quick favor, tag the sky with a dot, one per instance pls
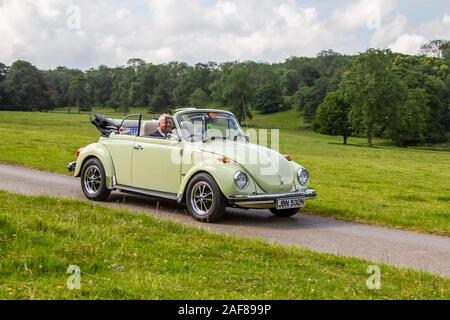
(88, 33)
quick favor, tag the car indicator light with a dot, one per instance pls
(78, 152)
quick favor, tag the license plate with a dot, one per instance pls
(290, 203)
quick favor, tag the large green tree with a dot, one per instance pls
(424, 76)
(409, 122)
(332, 117)
(160, 100)
(268, 99)
(3, 72)
(78, 93)
(238, 93)
(26, 87)
(199, 99)
(373, 91)
(59, 82)
(100, 81)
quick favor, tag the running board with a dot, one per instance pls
(151, 193)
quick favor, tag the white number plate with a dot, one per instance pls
(290, 203)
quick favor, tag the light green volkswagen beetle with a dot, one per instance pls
(205, 161)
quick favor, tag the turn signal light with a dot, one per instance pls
(225, 160)
(78, 152)
(288, 157)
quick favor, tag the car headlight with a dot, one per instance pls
(303, 177)
(241, 180)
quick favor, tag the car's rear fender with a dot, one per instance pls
(99, 151)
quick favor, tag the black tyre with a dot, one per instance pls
(204, 200)
(93, 181)
(284, 213)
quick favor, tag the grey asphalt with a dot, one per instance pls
(380, 245)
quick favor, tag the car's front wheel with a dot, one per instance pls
(284, 213)
(93, 181)
(204, 200)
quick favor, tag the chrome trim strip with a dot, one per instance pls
(273, 196)
(249, 203)
(152, 193)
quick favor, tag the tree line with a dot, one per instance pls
(374, 94)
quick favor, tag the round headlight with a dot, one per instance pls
(303, 177)
(241, 180)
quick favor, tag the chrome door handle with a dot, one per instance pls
(138, 147)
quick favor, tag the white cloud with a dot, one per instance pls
(389, 32)
(363, 13)
(196, 30)
(408, 43)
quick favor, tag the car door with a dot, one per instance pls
(120, 148)
(156, 164)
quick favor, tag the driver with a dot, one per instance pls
(164, 127)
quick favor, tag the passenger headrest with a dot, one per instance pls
(148, 128)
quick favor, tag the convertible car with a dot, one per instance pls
(205, 161)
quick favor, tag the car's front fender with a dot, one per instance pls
(223, 174)
(96, 150)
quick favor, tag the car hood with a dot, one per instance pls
(270, 170)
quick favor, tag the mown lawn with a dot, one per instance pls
(127, 256)
(396, 187)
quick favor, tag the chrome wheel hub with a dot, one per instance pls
(202, 198)
(92, 180)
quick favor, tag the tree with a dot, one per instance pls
(373, 91)
(101, 82)
(332, 117)
(78, 93)
(160, 100)
(59, 81)
(309, 98)
(268, 100)
(135, 64)
(26, 87)
(316, 78)
(122, 88)
(409, 123)
(199, 98)
(238, 93)
(436, 48)
(3, 72)
(422, 75)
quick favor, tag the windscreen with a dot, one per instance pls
(197, 126)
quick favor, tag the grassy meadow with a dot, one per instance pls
(405, 188)
(123, 255)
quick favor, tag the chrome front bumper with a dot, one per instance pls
(71, 166)
(268, 200)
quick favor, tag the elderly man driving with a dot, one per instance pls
(164, 127)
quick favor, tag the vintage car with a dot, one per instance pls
(205, 161)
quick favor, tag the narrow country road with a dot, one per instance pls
(380, 245)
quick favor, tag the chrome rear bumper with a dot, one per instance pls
(268, 200)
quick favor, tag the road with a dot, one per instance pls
(381, 245)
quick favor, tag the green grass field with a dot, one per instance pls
(386, 185)
(128, 256)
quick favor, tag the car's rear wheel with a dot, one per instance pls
(204, 200)
(93, 181)
(284, 213)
